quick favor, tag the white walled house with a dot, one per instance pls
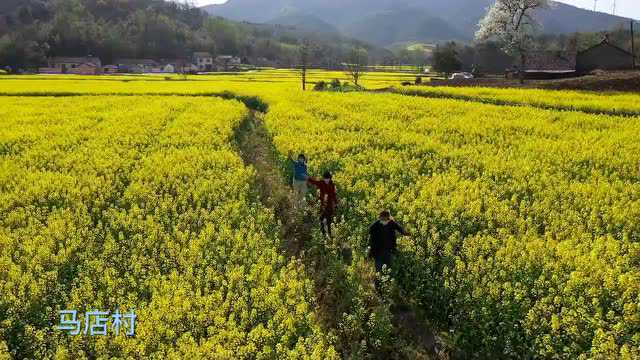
(204, 61)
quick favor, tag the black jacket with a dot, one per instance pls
(383, 238)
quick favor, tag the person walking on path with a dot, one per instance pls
(300, 176)
(383, 240)
(328, 201)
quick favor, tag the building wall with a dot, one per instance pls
(50, 70)
(605, 58)
(204, 63)
(85, 70)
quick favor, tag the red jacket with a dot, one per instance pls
(328, 196)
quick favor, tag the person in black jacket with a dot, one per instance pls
(383, 239)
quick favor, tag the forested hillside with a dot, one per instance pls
(32, 30)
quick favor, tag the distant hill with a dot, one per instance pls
(305, 22)
(33, 30)
(385, 22)
(405, 25)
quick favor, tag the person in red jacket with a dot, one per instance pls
(328, 201)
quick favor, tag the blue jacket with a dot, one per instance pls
(300, 171)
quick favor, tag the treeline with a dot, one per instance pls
(32, 30)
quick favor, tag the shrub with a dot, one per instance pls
(320, 86)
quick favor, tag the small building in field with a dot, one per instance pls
(173, 66)
(66, 65)
(169, 69)
(110, 69)
(543, 65)
(263, 62)
(136, 66)
(204, 61)
(227, 62)
(49, 70)
(604, 56)
(86, 69)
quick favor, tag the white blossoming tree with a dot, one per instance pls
(511, 23)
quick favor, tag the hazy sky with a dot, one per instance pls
(628, 8)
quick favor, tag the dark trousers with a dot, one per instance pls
(325, 224)
(381, 260)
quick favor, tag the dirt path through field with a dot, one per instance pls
(257, 150)
(297, 231)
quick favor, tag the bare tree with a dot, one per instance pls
(305, 54)
(511, 23)
(358, 61)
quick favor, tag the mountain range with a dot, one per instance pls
(389, 22)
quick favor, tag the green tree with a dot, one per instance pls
(446, 59)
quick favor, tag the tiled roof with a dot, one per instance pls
(606, 43)
(75, 60)
(550, 61)
(149, 62)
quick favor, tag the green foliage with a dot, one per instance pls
(320, 86)
(445, 58)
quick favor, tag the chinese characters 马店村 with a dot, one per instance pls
(97, 323)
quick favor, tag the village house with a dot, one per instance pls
(547, 65)
(604, 56)
(204, 61)
(86, 69)
(73, 65)
(263, 62)
(227, 62)
(180, 66)
(169, 69)
(110, 69)
(136, 66)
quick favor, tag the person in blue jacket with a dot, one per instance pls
(300, 177)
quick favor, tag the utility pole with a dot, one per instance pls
(305, 53)
(614, 7)
(595, 5)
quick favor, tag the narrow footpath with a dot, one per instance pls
(298, 228)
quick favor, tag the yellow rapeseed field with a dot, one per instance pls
(128, 192)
